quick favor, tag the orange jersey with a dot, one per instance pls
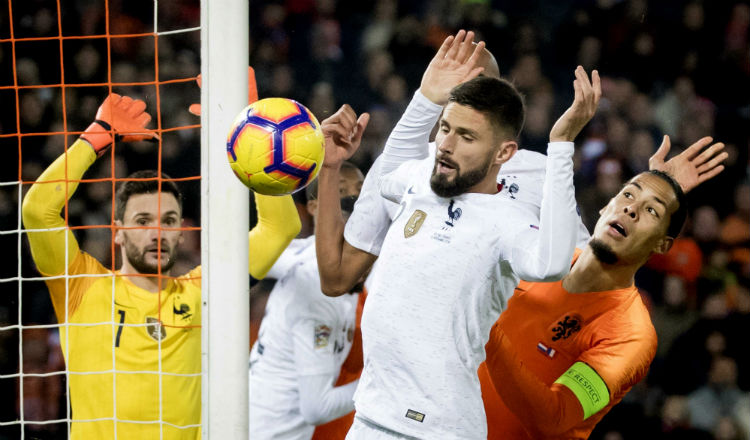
(550, 329)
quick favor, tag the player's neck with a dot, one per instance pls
(488, 185)
(150, 282)
(589, 274)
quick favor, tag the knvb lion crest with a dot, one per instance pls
(155, 329)
(415, 222)
(566, 326)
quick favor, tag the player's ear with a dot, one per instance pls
(118, 233)
(182, 234)
(663, 245)
(312, 207)
(505, 152)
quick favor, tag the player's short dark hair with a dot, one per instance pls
(497, 98)
(677, 219)
(145, 182)
(311, 191)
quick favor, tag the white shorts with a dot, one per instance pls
(363, 429)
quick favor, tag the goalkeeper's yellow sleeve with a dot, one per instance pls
(43, 204)
(278, 224)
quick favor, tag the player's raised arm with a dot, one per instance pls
(118, 117)
(278, 224)
(553, 240)
(693, 166)
(340, 264)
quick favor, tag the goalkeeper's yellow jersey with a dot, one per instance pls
(113, 326)
(110, 337)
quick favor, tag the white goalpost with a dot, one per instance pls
(224, 206)
(224, 223)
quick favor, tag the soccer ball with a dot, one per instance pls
(275, 146)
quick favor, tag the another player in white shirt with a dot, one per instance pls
(450, 261)
(304, 338)
(521, 178)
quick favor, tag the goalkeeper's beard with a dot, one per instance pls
(137, 258)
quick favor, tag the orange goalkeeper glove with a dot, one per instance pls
(252, 91)
(119, 118)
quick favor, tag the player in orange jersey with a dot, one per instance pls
(564, 353)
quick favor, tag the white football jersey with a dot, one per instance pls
(446, 270)
(303, 333)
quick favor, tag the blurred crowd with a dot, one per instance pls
(680, 68)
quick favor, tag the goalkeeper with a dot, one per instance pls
(137, 321)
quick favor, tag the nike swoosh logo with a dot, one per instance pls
(410, 190)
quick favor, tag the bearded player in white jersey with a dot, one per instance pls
(455, 251)
(304, 338)
(521, 179)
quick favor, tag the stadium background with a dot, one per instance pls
(679, 68)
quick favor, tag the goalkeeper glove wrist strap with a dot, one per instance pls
(104, 124)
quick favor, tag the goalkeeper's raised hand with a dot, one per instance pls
(252, 91)
(119, 118)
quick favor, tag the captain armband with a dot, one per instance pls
(588, 386)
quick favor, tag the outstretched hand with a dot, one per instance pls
(693, 166)
(343, 133)
(122, 117)
(587, 95)
(454, 63)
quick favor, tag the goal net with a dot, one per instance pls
(66, 370)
